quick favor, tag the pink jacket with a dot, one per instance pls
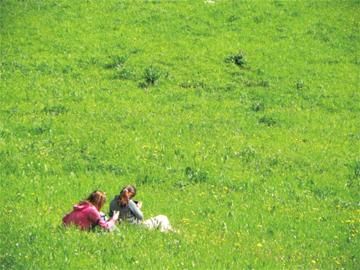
(86, 216)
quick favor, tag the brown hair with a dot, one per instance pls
(128, 188)
(97, 198)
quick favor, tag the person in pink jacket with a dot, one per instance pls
(86, 215)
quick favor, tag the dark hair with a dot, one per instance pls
(129, 188)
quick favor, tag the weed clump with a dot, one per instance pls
(124, 74)
(193, 85)
(196, 175)
(300, 85)
(55, 110)
(147, 179)
(39, 129)
(152, 76)
(181, 185)
(238, 59)
(254, 83)
(116, 62)
(257, 106)
(247, 154)
(354, 177)
(268, 121)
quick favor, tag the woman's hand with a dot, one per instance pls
(116, 215)
(139, 204)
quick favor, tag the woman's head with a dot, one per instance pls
(97, 198)
(128, 192)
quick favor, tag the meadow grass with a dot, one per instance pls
(239, 120)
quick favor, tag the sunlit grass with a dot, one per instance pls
(236, 119)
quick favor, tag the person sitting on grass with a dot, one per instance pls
(86, 215)
(130, 211)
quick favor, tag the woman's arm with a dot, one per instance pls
(96, 219)
(135, 210)
(107, 225)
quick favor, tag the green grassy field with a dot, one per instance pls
(239, 120)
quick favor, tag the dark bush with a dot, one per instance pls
(238, 59)
(268, 121)
(152, 75)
